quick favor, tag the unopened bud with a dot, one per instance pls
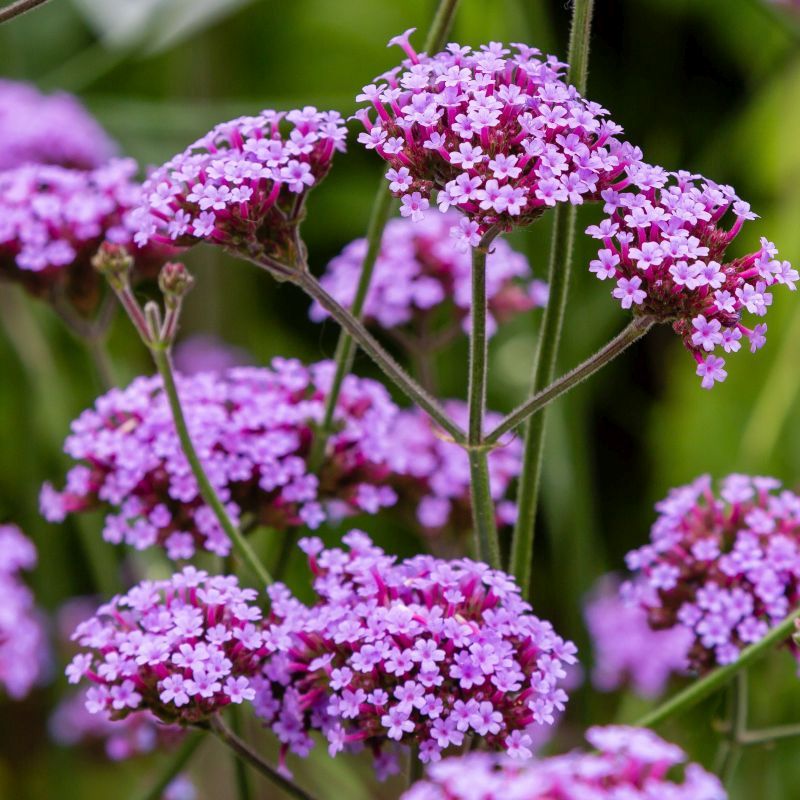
(114, 262)
(175, 281)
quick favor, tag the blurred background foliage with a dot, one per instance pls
(705, 85)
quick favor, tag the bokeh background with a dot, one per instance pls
(711, 86)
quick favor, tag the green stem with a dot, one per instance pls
(173, 767)
(768, 735)
(731, 747)
(559, 268)
(367, 342)
(244, 752)
(19, 8)
(483, 512)
(163, 361)
(441, 25)
(239, 767)
(415, 768)
(103, 365)
(634, 331)
(721, 676)
(287, 547)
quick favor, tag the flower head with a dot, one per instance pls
(725, 566)
(181, 648)
(629, 763)
(495, 133)
(252, 428)
(243, 185)
(48, 129)
(23, 642)
(419, 270)
(422, 651)
(664, 245)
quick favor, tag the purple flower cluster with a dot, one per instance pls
(495, 132)
(664, 246)
(23, 644)
(181, 648)
(424, 652)
(243, 184)
(48, 129)
(725, 568)
(252, 428)
(432, 474)
(630, 764)
(627, 649)
(419, 269)
(53, 219)
(207, 353)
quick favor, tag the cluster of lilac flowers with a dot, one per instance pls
(207, 353)
(53, 219)
(726, 568)
(48, 129)
(431, 474)
(424, 652)
(181, 648)
(23, 643)
(495, 133)
(629, 763)
(626, 649)
(419, 269)
(243, 184)
(253, 429)
(664, 246)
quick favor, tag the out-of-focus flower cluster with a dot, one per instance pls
(23, 642)
(630, 763)
(665, 245)
(53, 219)
(626, 649)
(243, 184)
(431, 473)
(495, 133)
(422, 651)
(725, 567)
(207, 353)
(419, 269)
(181, 648)
(252, 428)
(48, 129)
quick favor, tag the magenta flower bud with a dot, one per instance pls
(243, 185)
(633, 763)
(664, 247)
(495, 133)
(419, 652)
(114, 262)
(723, 566)
(175, 282)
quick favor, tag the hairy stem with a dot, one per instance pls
(244, 752)
(559, 268)
(367, 342)
(163, 361)
(19, 8)
(174, 766)
(720, 677)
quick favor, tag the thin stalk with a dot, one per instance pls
(559, 269)
(634, 331)
(163, 361)
(367, 342)
(19, 8)
(730, 751)
(379, 216)
(483, 512)
(244, 752)
(768, 735)
(415, 769)
(720, 677)
(103, 365)
(287, 547)
(174, 766)
(239, 767)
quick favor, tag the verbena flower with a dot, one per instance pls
(181, 648)
(422, 651)
(203, 352)
(724, 566)
(432, 473)
(419, 270)
(252, 428)
(53, 220)
(495, 133)
(629, 764)
(243, 185)
(664, 245)
(23, 642)
(48, 129)
(626, 649)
